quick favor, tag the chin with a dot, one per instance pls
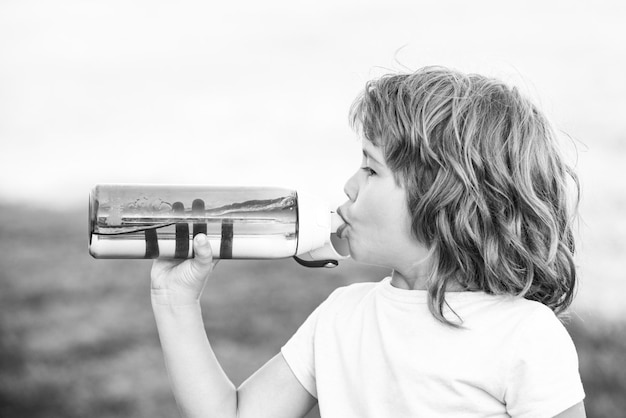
(367, 257)
(354, 252)
(360, 255)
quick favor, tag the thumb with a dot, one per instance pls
(202, 264)
(183, 283)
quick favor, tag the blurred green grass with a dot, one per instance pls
(77, 336)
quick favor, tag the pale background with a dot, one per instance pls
(255, 93)
(258, 93)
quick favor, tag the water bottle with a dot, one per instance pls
(160, 221)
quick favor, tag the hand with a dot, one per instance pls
(181, 283)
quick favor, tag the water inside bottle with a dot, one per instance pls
(239, 223)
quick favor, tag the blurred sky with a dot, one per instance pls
(258, 93)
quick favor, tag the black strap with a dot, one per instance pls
(316, 263)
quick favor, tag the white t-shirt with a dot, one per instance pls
(373, 350)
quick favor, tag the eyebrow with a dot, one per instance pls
(369, 157)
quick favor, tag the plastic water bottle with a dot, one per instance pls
(160, 221)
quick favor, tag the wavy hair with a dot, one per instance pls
(488, 189)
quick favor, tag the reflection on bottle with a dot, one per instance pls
(144, 221)
(161, 221)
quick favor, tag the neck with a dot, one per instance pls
(416, 277)
(408, 282)
(413, 275)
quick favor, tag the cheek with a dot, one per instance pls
(378, 212)
(393, 221)
(368, 214)
(376, 223)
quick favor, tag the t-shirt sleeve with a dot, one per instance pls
(543, 380)
(299, 351)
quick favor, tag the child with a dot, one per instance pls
(463, 194)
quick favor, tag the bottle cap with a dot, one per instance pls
(317, 225)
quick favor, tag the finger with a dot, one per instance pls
(202, 249)
(202, 263)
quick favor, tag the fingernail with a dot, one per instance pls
(201, 239)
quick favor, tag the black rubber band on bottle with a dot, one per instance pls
(152, 243)
(182, 234)
(197, 210)
(226, 244)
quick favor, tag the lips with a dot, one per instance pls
(342, 227)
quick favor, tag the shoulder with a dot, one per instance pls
(355, 289)
(526, 330)
(543, 333)
(353, 293)
(543, 369)
(539, 331)
(500, 316)
(347, 300)
(537, 320)
(515, 313)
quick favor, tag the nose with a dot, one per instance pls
(351, 188)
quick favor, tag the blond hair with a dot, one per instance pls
(486, 183)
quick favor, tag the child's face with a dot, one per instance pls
(378, 223)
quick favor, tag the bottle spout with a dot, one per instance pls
(327, 248)
(335, 222)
